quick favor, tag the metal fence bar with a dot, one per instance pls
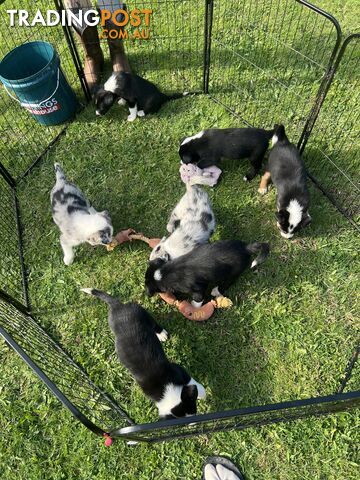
(209, 12)
(239, 419)
(67, 381)
(51, 385)
(327, 158)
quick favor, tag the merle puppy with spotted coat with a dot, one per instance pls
(191, 223)
(137, 343)
(208, 147)
(77, 220)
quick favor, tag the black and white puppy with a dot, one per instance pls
(207, 147)
(191, 223)
(214, 265)
(137, 344)
(286, 169)
(141, 96)
(77, 220)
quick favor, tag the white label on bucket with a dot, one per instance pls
(50, 106)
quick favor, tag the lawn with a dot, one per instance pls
(290, 333)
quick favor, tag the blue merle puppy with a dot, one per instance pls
(191, 224)
(77, 220)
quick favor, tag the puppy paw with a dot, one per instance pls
(262, 191)
(163, 335)
(223, 302)
(196, 304)
(245, 178)
(131, 118)
(141, 113)
(121, 101)
(68, 260)
(110, 246)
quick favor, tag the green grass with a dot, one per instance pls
(289, 335)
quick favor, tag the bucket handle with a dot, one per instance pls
(43, 101)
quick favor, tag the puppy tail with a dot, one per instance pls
(105, 297)
(174, 96)
(261, 249)
(60, 175)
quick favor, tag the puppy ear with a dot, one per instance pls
(281, 215)
(165, 256)
(109, 98)
(306, 220)
(95, 90)
(280, 132)
(189, 392)
(106, 214)
(186, 159)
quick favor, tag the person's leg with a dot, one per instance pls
(94, 59)
(116, 46)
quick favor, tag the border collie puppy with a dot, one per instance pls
(137, 344)
(286, 169)
(207, 147)
(191, 223)
(77, 220)
(214, 265)
(141, 96)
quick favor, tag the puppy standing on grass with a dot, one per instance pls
(208, 147)
(286, 169)
(137, 343)
(141, 96)
(77, 220)
(191, 224)
(215, 265)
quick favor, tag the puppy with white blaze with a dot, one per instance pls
(77, 220)
(286, 169)
(208, 147)
(191, 223)
(213, 266)
(141, 96)
(137, 344)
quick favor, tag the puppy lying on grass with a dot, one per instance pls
(215, 265)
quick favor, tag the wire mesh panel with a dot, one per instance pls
(332, 153)
(166, 47)
(59, 371)
(22, 139)
(239, 419)
(11, 266)
(270, 53)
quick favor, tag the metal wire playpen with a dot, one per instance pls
(244, 56)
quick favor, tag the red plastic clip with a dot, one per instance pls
(108, 440)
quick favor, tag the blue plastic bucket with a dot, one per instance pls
(32, 72)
